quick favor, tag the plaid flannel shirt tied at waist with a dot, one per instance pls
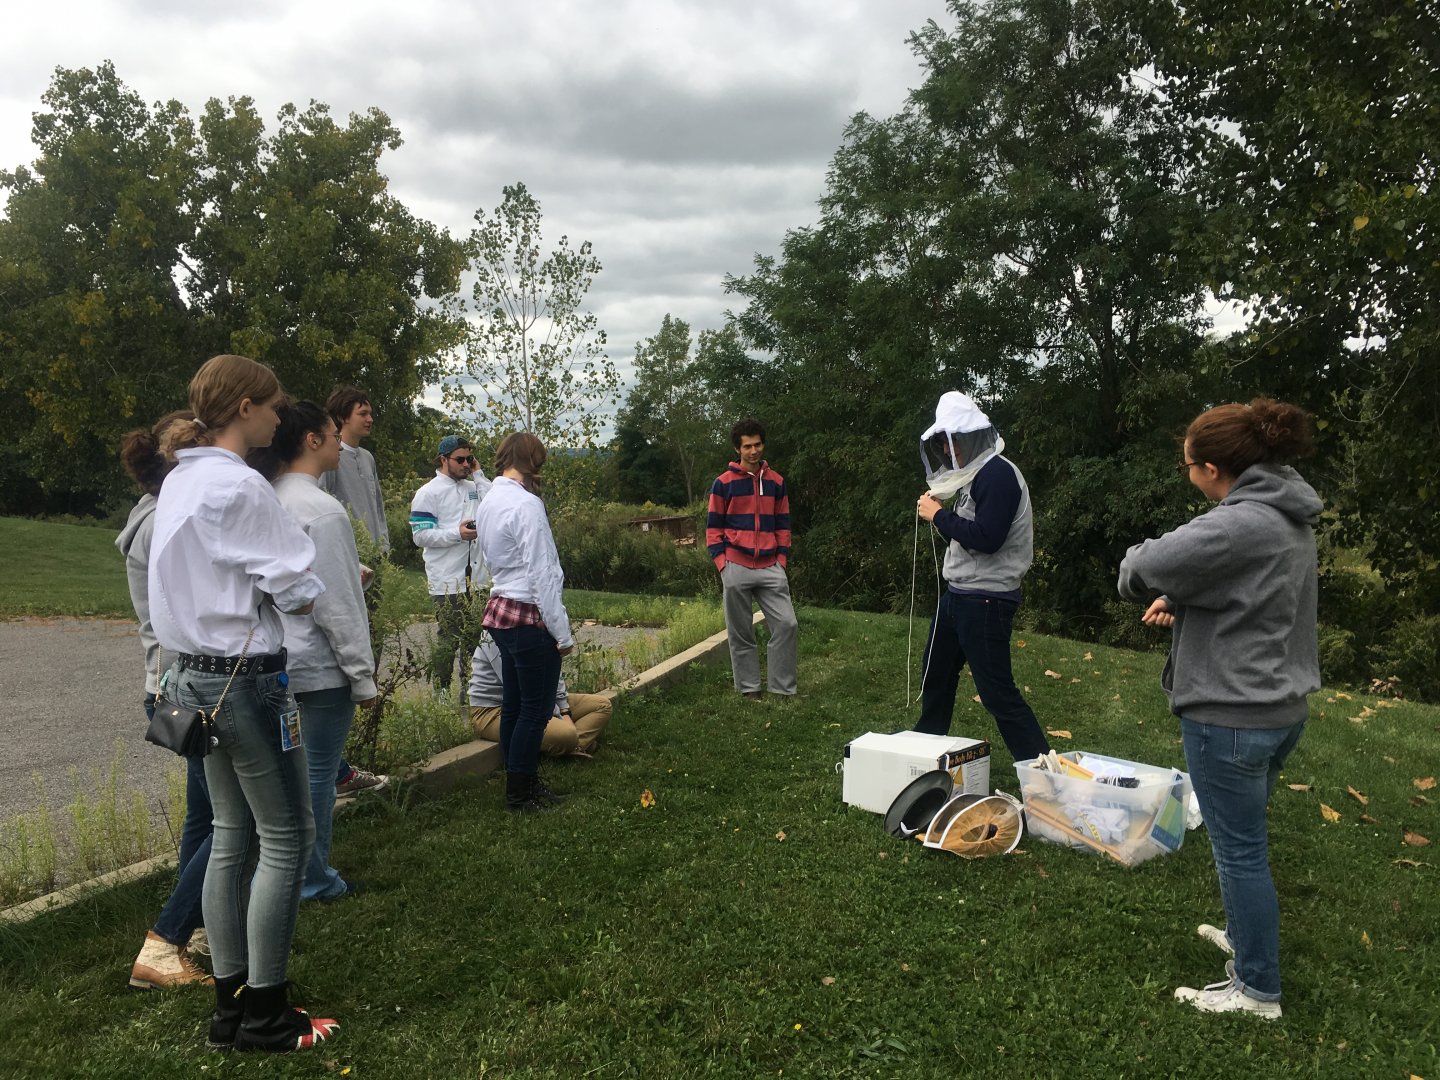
(503, 613)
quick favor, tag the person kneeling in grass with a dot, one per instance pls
(574, 729)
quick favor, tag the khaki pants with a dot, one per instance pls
(589, 714)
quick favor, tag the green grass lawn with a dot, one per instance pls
(751, 925)
(53, 569)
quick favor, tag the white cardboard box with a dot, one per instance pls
(878, 767)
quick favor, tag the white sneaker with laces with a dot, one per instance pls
(1217, 937)
(1224, 997)
(362, 780)
(199, 943)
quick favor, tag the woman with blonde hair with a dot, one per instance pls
(525, 615)
(1238, 588)
(225, 560)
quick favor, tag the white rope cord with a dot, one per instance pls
(910, 635)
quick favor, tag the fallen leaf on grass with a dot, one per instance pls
(1419, 800)
(976, 699)
(1041, 869)
(647, 798)
(1088, 656)
(1020, 643)
(828, 980)
(1411, 863)
(904, 967)
(1424, 783)
(1329, 813)
(1053, 674)
(780, 835)
(1298, 787)
(1059, 733)
(1363, 800)
(1365, 939)
(1075, 680)
(1342, 695)
(1414, 839)
(1390, 759)
(1368, 820)
(1385, 703)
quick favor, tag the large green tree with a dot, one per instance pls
(1008, 233)
(95, 332)
(1312, 131)
(140, 243)
(671, 433)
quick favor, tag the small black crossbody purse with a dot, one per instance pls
(187, 731)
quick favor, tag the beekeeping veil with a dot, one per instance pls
(957, 445)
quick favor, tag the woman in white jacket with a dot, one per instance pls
(525, 615)
(330, 661)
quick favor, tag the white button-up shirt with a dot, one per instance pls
(520, 551)
(222, 542)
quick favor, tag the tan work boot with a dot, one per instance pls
(161, 965)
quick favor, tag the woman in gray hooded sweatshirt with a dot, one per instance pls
(164, 959)
(1237, 585)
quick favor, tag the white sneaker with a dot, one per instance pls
(1224, 997)
(199, 943)
(1217, 937)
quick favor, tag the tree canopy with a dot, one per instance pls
(140, 242)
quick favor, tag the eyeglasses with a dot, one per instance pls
(466, 460)
(1185, 466)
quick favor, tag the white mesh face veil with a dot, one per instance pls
(951, 459)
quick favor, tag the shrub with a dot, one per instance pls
(1408, 652)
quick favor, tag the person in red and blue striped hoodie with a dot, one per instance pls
(748, 535)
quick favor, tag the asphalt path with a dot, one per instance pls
(75, 690)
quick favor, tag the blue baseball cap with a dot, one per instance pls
(450, 443)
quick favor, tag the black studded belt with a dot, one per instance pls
(262, 664)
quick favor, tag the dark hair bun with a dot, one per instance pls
(1282, 427)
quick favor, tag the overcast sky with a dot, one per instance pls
(680, 138)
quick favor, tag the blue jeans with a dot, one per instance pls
(976, 630)
(1234, 771)
(182, 914)
(263, 824)
(326, 715)
(530, 675)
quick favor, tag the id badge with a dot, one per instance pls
(290, 730)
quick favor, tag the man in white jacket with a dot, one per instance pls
(442, 522)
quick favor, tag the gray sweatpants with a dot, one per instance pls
(769, 588)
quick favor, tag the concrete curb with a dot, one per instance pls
(441, 774)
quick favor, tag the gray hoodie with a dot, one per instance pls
(1241, 582)
(134, 544)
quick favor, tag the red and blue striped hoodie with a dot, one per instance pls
(749, 519)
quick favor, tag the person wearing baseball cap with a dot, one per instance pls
(989, 529)
(442, 522)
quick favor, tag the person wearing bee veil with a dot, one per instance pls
(978, 501)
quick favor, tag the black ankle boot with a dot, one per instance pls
(271, 1024)
(520, 797)
(541, 793)
(229, 1008)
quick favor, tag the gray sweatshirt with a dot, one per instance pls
(356, 483)
(1241, 581)
(331, 646)
(134, 544)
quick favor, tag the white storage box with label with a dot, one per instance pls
(1127, 810)
(877, 767)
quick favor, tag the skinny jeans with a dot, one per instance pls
(264, 827)
(326, 716)
(182, 914)
(1233, 772)
(529, 675)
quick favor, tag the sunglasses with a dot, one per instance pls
(466, 460)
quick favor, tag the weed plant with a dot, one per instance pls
(748, 924)
(104, 826)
